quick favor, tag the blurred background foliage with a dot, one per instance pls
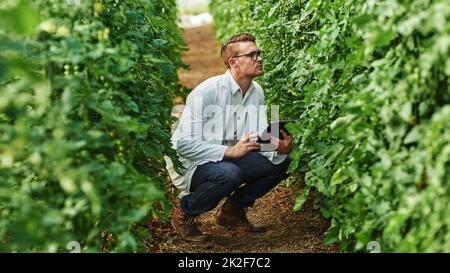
(86, 93)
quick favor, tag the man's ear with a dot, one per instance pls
(232, 62)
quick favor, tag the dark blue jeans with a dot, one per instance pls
(243, 180)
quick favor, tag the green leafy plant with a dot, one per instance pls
(369, 82)
(84, 120)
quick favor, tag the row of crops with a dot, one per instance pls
(85, 88)
(369, 82)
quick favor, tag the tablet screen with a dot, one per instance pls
(269, 132)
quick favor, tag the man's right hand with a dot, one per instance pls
(243, 147)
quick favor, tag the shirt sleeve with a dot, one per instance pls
(189, 141)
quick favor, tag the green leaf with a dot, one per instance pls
(302, 198)
(413, 136)
(339, 176)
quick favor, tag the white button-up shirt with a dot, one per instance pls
(216, 116)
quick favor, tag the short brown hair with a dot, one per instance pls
(228, 50)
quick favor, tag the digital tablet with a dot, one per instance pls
(267, 133)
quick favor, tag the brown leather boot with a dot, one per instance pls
(232, 215)
(186, 227)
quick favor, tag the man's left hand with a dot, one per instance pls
(285, 145)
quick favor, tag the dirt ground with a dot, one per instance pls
(288, 231)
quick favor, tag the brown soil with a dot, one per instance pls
(288, 231)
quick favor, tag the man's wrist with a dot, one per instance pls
(228, 153)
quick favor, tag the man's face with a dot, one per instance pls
(249, 64)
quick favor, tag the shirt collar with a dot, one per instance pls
(232, 84)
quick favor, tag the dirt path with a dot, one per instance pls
(288, 231)
(203, 56)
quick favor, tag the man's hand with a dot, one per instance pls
(243, 147)
(285, 145)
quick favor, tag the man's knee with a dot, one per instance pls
(229, 175)
(285, 164)
(283, 167)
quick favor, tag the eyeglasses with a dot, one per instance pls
(253, 55)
